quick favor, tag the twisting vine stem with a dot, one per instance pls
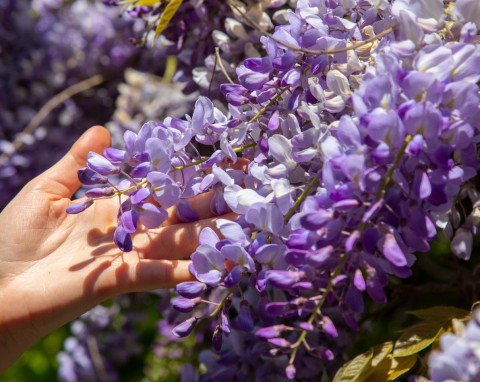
(344, 256)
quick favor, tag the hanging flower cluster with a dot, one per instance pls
(360, 124)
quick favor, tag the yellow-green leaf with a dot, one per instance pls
(401, 366)
(380, 352)
(440, 313)
(416, 338)
(381, 371)
(353, 370)
(167, 15)
(149, 3)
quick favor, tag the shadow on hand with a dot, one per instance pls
(152, 262)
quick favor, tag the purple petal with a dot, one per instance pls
(347, 132)
(266, 217)
(190, 289)
(392, 251)
(185, 213)
(316, 220)
(421, 185)
(232, 231)
(320, 256)
(79, 207)
(185, 305)
(290, 371)
(329, 327)
(114, 155)
(274, 121)
(208, 237)
(202, 113)
(283, 279)
(101, 165)
(207, 265)
(244, 320)
(279, 342)
(250, 79)
(233, 277)
(239, 256)
(359, 281)
(159, 156)
(258, 64)
(140, 195)
(225, 323)
(89, 177)
(217, 340)
(129, 220)
(141, 171)
(270, 331)
(354, 300)
(122, 239)
(165, 190)
(99, 192)
(151, 216)
(185, 328)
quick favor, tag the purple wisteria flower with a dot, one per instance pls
(360, 126)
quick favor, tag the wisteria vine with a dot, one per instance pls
(360, 125)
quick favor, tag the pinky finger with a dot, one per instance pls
(138, 275)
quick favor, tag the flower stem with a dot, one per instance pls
(222, 303)
(389, 175)
(344, 257)
(301, 198)
(270, 103)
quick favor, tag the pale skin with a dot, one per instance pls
(55, 266)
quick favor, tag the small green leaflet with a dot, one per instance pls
(388, 361)
(440, 313)
(377, 364)
(380, 352)
(167, 16)
(149, 3)
(352, 370)
(417, 337)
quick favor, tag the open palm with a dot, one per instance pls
(55, 266)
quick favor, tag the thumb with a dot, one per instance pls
(61, 179)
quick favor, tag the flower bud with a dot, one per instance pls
(79, 207)
(99, 192)
(185, 328)
(101, 165)
(270, 331)
(280, 342)
(89, 177)
(191, 289)
(185, 305)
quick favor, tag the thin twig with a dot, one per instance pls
(270, 103)
(213, 75)
(46, 109)
(96, 358)
(222, 67)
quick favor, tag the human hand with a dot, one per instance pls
(55, 266)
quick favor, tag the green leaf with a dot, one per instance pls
(149, 3)
(401, 366)
(167, 15)
(440, 313)
(353, 370)
(416, 338)
(380, 352)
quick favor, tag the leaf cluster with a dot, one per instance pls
(390, 360)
